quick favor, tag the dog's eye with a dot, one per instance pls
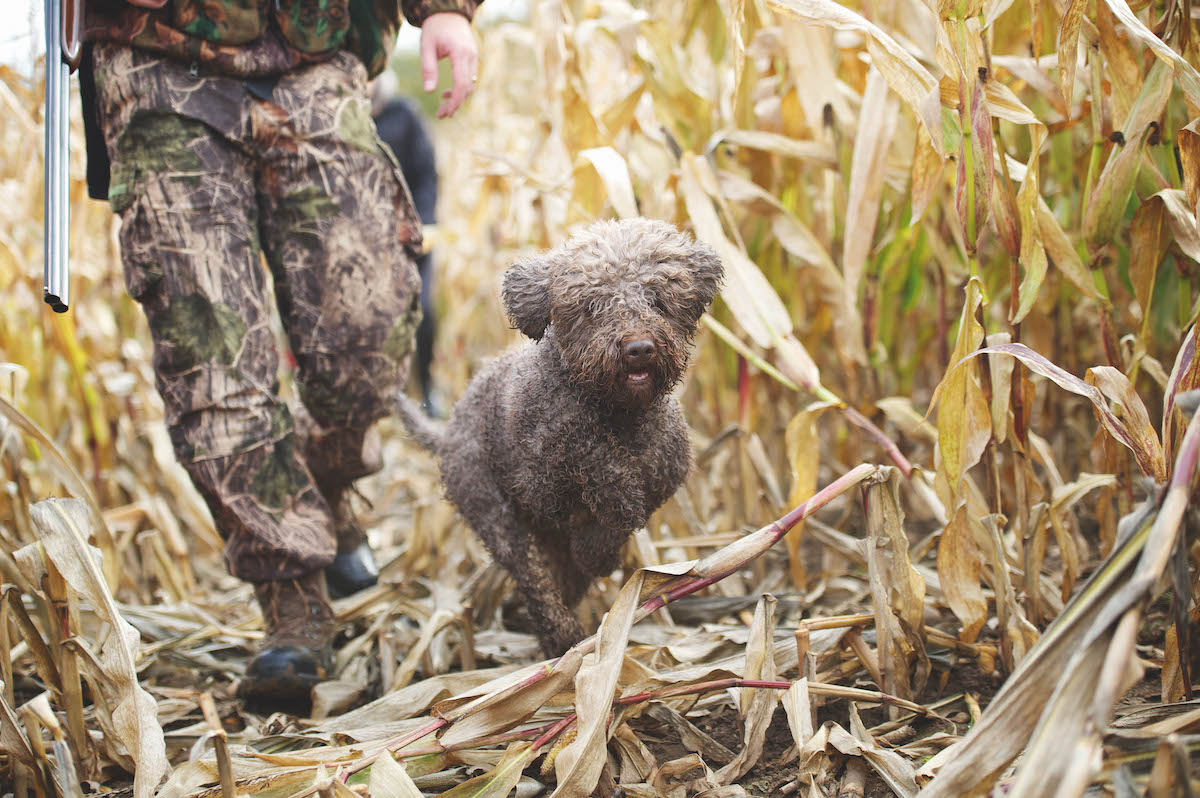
(659, 305)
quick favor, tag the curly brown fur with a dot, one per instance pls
(561, 448)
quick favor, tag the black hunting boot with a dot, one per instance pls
(297, 652)
(335, 460)
(354, 568)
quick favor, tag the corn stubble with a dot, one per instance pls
(953, 358)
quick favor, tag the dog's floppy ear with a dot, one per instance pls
(526, 295)
(707, 273)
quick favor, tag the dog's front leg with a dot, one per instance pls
(539, 579)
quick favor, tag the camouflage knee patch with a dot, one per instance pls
(401, 340)
(194, 331)
(280, 477)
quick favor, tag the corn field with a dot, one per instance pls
(939, 539)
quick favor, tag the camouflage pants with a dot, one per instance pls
(209, 176)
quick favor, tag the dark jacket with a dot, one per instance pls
(401, 127)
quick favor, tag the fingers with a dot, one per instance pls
(429, 70)
(448, 35)
(463, 64)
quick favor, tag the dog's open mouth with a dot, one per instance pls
(636, 379)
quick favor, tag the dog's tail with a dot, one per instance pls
(424, 430)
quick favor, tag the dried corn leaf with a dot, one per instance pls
(903, 73)
(578, 765)
(756, 705)
(500, 781)
(876, 126)
(389, 779)
(62, 524)
(964, 418)
(898, 590)
(1055, 665)
(1148, 454)
(1185, 73)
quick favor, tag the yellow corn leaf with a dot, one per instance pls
(992, 9)
(927, 175)
(1033, 243)
(12, 736)
(1123, 64)
(1150, 101)
(1181, 219)
(614, 174)
(1185, 376)
(1185, 73)
(873, 138)
(735, 14)
(804, 457)
(1068, 41)
(1005, 219)
(1149, 240)
(506, 701)
(766, 141)
(74, 482)
(500, 780)
(964, 419)
(749, 296)
(1127, 431)
(756, 705)
(1189, 156)
(1003, 104)
(903, 73)
(959, 567)
(1102, 217)
(898, 590)
(1062, 252)
(1127, 406)
(812, 66)
(1063, 692)
(973, 192)
(799, 709)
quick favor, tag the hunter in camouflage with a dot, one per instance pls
(239, 131)
(207, 178)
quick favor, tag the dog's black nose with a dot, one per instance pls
(638, 353)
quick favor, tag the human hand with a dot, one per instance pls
(448, 34)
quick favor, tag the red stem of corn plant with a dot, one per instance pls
(672, 590)
(495, 739)
(555, 730)
(686, 585)
(876, 434)
(702, 687)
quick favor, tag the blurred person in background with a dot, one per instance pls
(222, 131)
(402, 127)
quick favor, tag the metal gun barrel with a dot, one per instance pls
(55, 208)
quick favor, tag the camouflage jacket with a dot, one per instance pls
(258, 38)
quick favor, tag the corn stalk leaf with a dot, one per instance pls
(389, 779)
(1185, 73)
(1147, 453)
(903, 73)
(500, 780)
(964, 419)
(61, 525)
(1044, 692)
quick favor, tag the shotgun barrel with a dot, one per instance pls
(56, 289)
